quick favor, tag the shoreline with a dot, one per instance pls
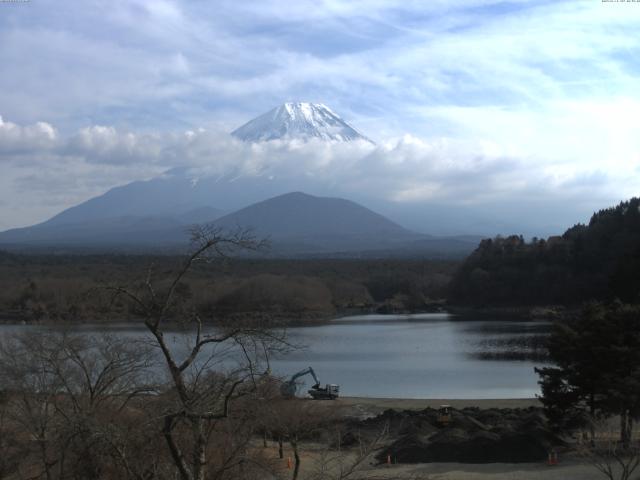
(422, 403)
(305, 319)
(367, 407)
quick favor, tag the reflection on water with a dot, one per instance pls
(526, 347)
(508, 340)
(410, 356)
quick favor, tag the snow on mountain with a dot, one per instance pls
(298, 120)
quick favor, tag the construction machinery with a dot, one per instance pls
(329, 392)
(444, 415)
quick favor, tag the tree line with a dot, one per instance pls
(61, 288)
(598, 261)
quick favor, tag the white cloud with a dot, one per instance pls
(564, 139)
(164, 64)
(105, 144)
(16, 138)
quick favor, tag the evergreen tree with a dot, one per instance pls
(597, 368)
(596, 261)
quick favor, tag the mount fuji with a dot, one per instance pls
(298, 120)
(156, 213)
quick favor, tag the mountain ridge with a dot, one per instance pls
(298, 225)
(299, 213)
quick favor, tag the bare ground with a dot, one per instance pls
(498, 471)
(568, 469)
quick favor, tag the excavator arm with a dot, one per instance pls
(288, 388)
(315, 377)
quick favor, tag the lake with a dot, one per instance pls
(407, 356)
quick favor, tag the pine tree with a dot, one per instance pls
(597, 369)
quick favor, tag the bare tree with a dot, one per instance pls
(607, 453)
(296, 421)
(220, 365)
(9, 451)
(63, 390)
(337, 464)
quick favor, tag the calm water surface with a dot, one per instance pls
(421, 356)
(408, 356)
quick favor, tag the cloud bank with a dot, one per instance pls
(482, 103)
(48, 169)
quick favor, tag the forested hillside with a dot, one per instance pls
(600, 261)
(72, 287)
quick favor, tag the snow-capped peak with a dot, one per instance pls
(299, 120)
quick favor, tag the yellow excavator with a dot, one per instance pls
(330, 391)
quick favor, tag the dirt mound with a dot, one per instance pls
(479, 447)
(398, 423)
(472, 436)
(407, 449)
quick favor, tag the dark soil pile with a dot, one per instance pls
(472, 436)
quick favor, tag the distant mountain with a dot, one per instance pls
(301, 222)
(298, 214)
(200, 215)
(174, 195)
(298, 121)
(177, 192)
(297, 224)
(116, 231)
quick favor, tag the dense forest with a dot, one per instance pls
(76, 287)
(599, 261)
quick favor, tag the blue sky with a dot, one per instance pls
(474, 102)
